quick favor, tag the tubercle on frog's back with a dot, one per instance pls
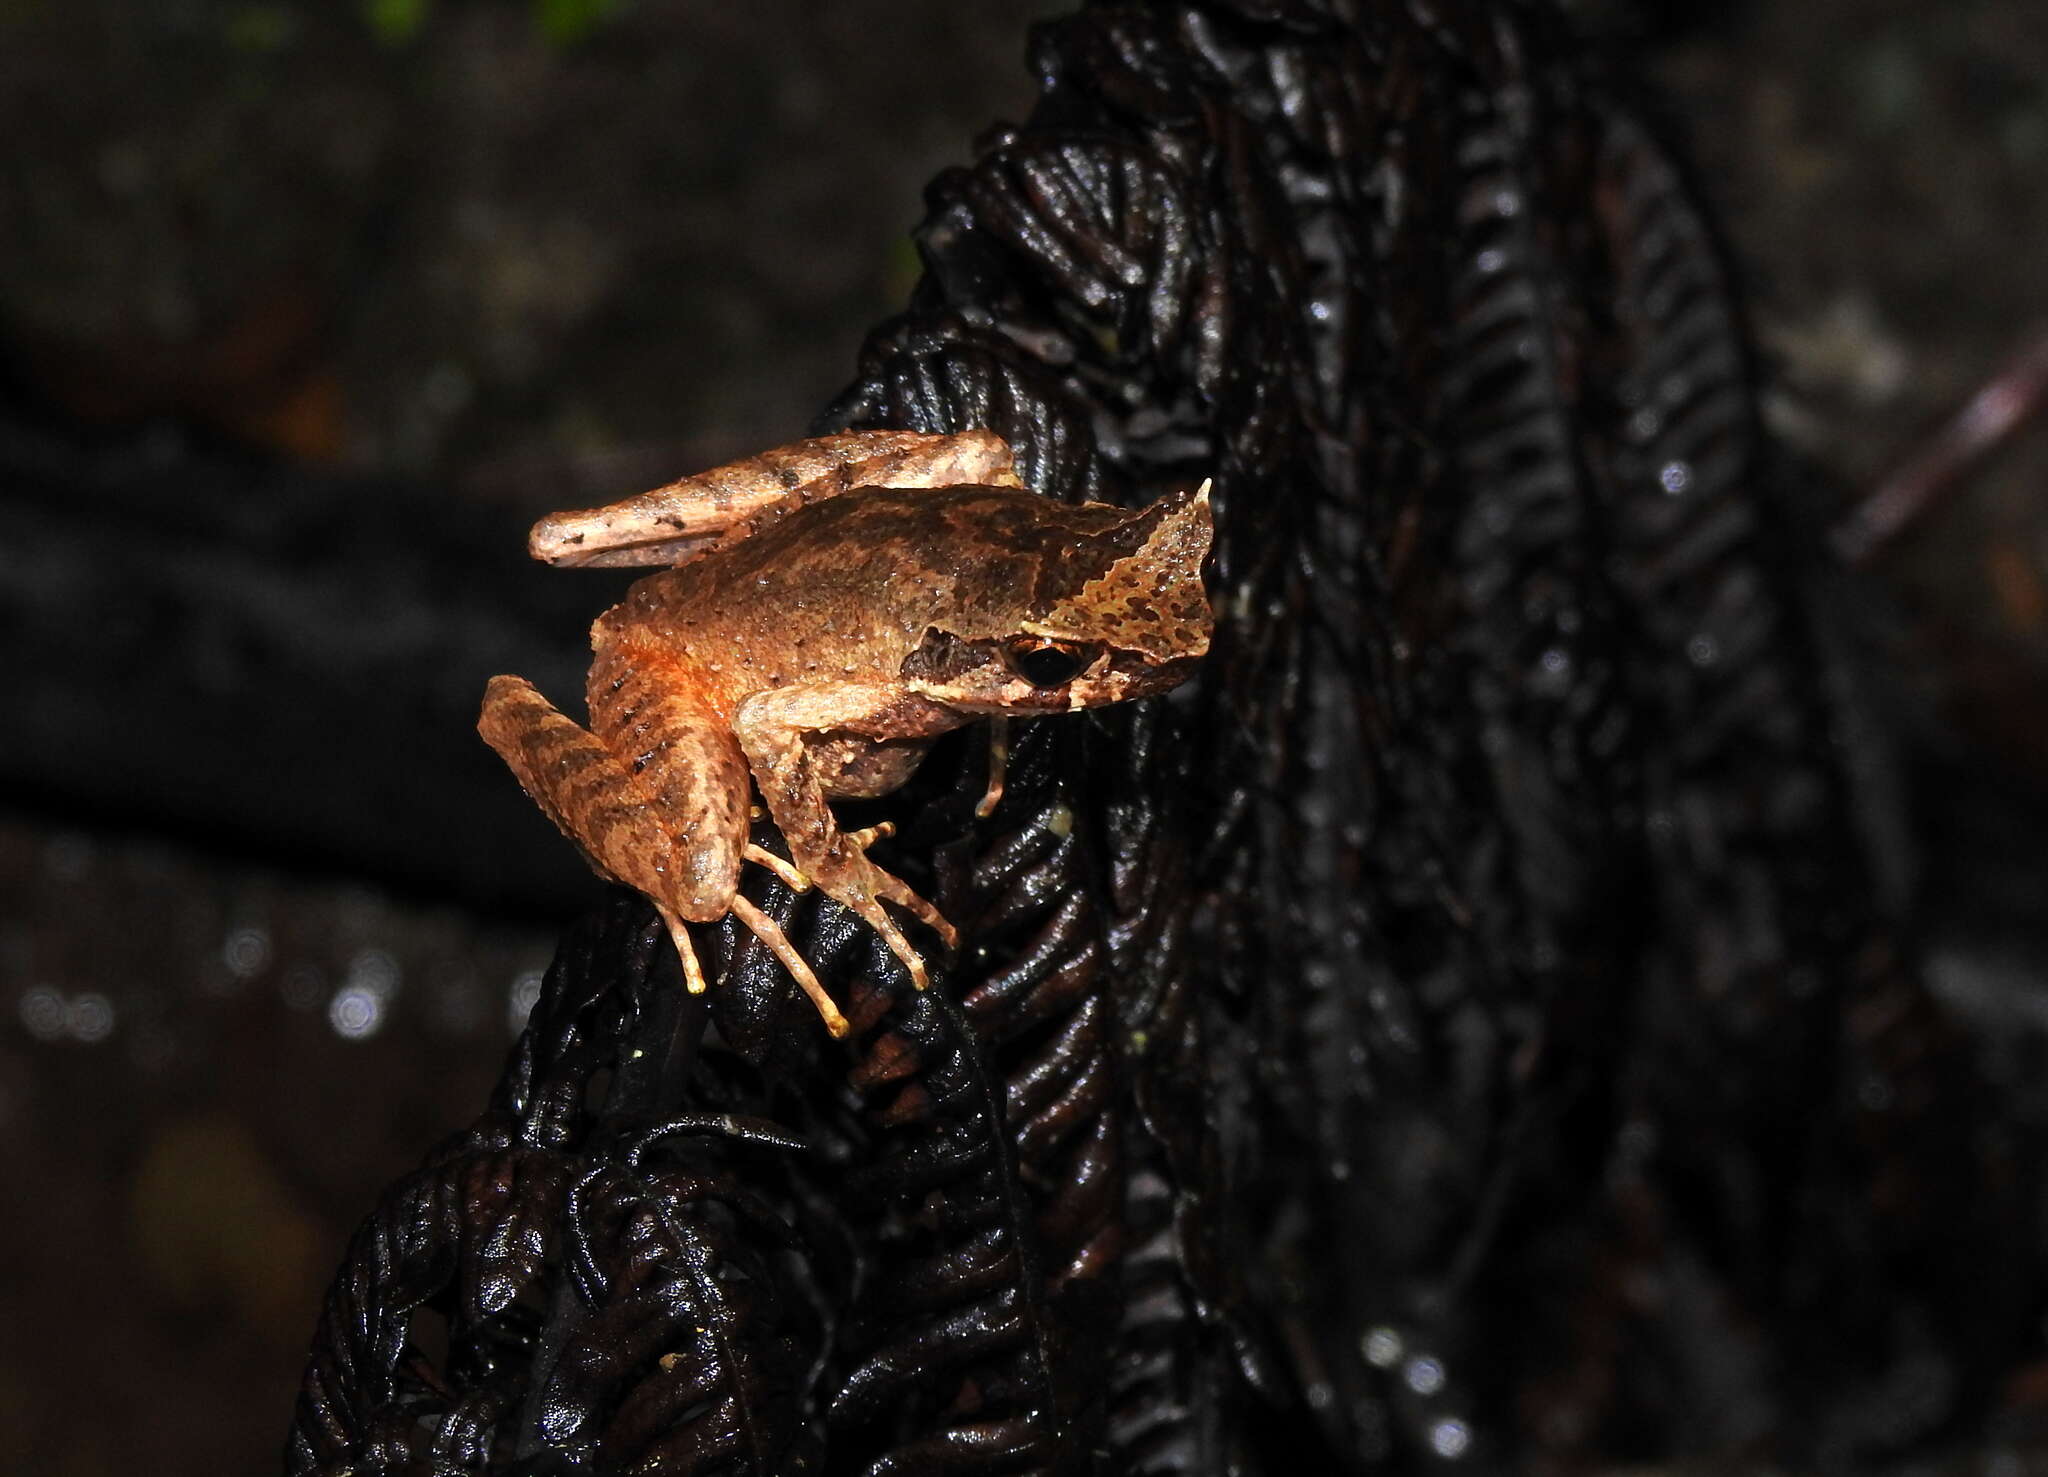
(669, 639)
(808, 626)
(629, 671)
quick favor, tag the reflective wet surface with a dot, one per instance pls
(531, 269)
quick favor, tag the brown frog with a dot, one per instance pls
(833, 608)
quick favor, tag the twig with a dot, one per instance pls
(2012, 397)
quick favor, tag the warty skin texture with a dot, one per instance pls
(819, 644)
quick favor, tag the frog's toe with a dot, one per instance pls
(895, 890)
(885, 927)
(693, 971)
(913, 962)
(795, 880)
(868, 835)
(769, 932)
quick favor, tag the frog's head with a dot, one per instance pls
(1112, 608)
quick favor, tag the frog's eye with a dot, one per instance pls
(1045, 663)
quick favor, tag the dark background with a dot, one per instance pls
(307, 309)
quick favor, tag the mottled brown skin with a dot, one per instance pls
(846, 601)
(675, 523)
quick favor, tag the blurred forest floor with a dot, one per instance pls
(522, 256)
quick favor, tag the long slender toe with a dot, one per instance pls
(769, 932)
(693, 971)
(795, 880)
(883, 924)
(896, 890)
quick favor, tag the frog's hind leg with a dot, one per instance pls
(673, 524)
(616, 817)
(769, 932)
(794, 880)
(692, 766)
(977, 458)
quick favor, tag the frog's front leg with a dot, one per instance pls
(775, 729)
(658, 802)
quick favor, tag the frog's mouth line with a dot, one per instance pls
(1113, 677)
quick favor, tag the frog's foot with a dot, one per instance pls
(863, 887)
(877, 918)
(769, 932)
(893, 889)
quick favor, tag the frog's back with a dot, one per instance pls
(906, 555)
(959, 532)
(845, 587)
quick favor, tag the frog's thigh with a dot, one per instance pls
(826, 466)
(692, 765)
(707, 503)
(821, 467)
(977, 458)
(612, 813)
(673, 524)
